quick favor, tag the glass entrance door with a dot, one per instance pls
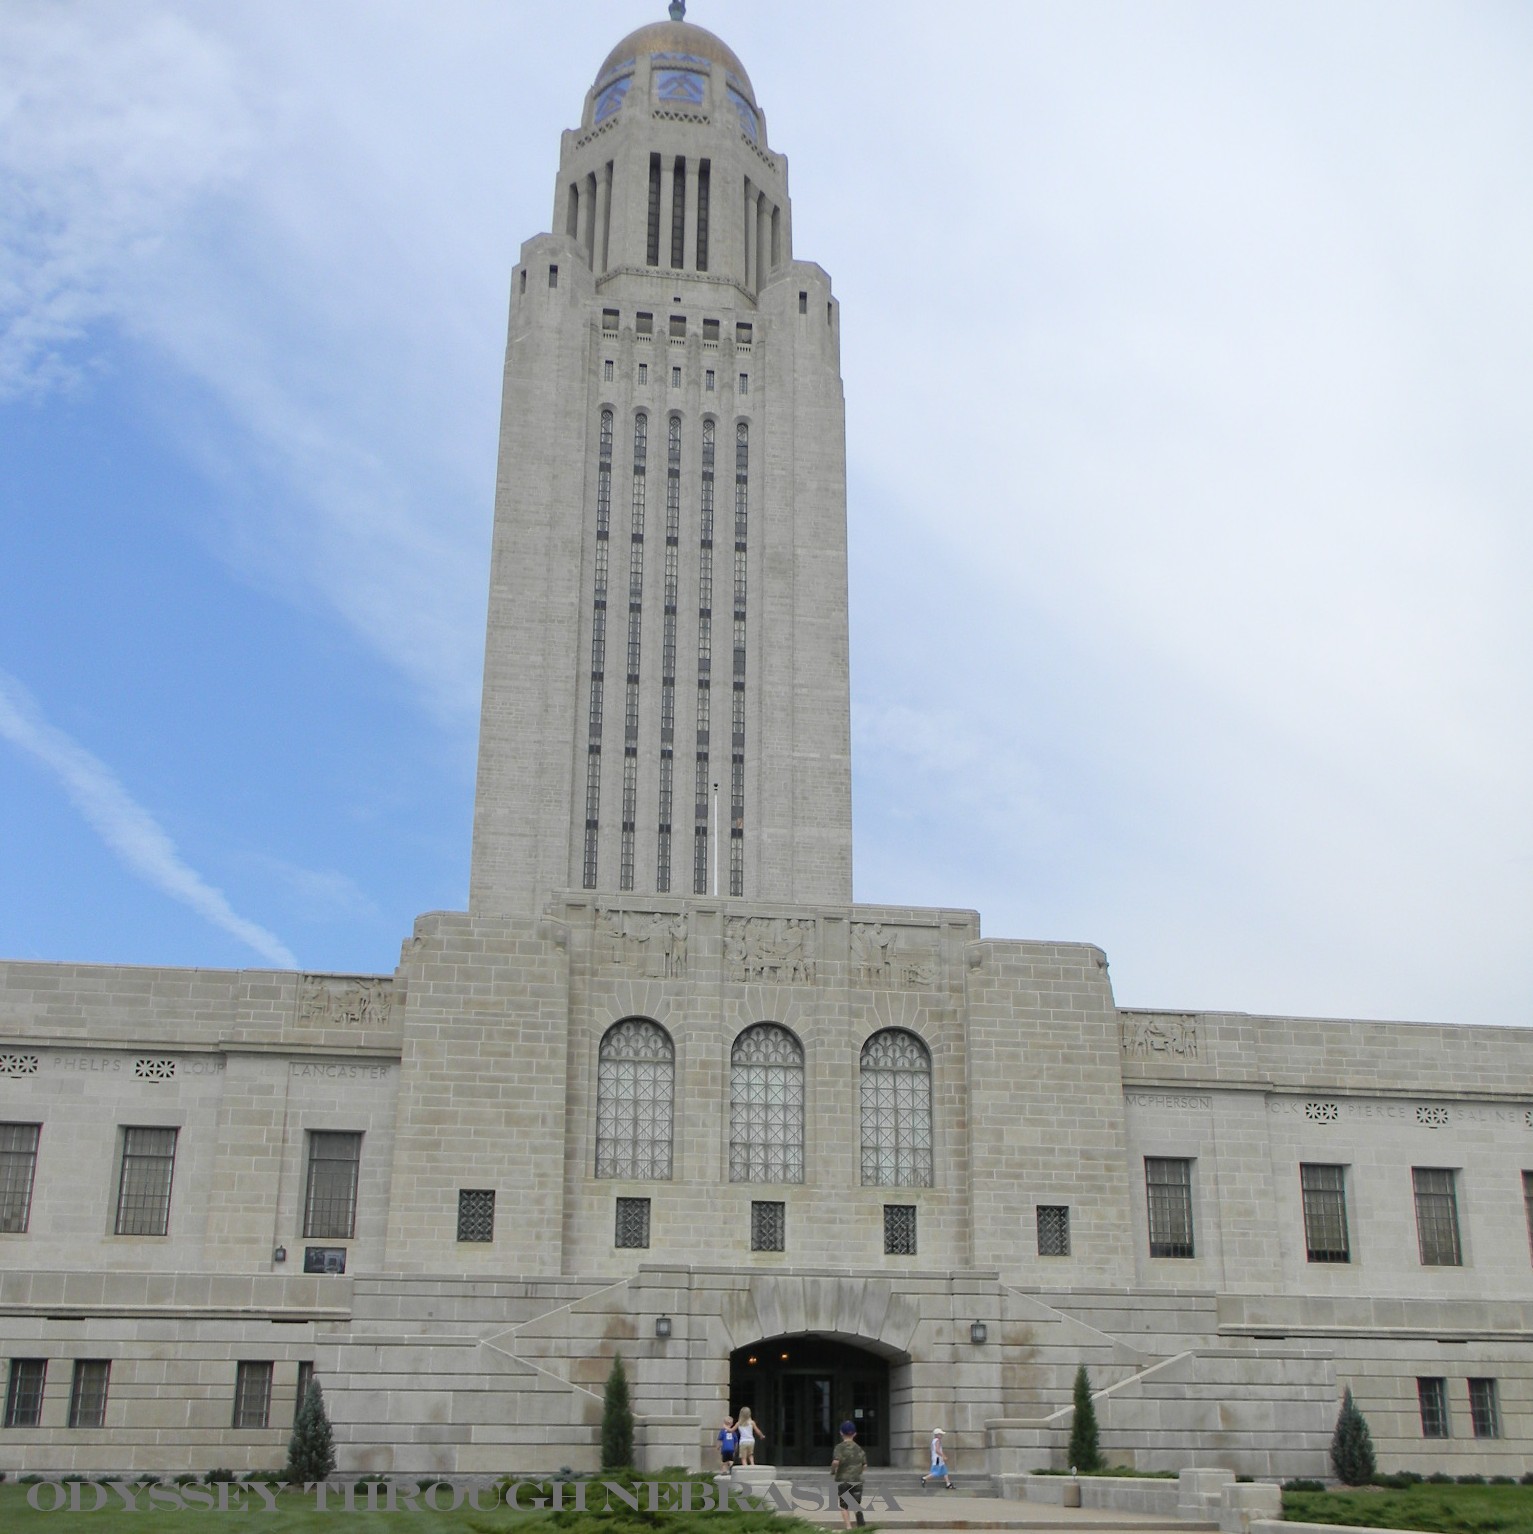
(801, 1389)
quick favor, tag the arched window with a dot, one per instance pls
(766, 1106)
(634, 1076)
(896, 1110)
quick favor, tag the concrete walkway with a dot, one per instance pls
(943, 1510)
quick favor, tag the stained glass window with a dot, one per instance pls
(896, 1110)
(766, 1106)
(634, 1077)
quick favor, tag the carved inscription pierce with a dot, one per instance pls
(344, 1001)
(1162, 1038)
(884, 956)
(775, 949)
(652, 942)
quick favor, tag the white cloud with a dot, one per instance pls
(123, 824)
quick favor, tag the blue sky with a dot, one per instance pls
(1189, 448)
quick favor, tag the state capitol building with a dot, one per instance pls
(663, 1089)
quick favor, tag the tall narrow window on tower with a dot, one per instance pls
(704, 168)
(679, 213)
(652, 245)
(635, 622)
(737, 698)
(704, 667)
(598, 650)
(668, 652)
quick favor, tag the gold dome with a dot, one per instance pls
(678, 37)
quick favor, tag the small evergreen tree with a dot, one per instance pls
(1352, 1444)
(311, 1450)
(1085, 1453)
(616, 1419)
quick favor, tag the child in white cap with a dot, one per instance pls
(939, 1470)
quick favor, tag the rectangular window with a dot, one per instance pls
(710, 330)
(899, 1230)
(1484, 1409)
(553, 276)
(609, 319)
(803, 303)
(252, 1395)
(1324, 1189)
(678, 213)
(745, 383)
(652, 240)
(24, 1392)
(1053, 1230)
(675, 378)
(476, 1214)
(1527, 1204)
(708, 381)
(1437, 1217)
(330, 1202)
(305, 1379)
(1433, 1396)
(678, 327)
(18, 1169)
(87, 1393)
(1168, 1183)
(143, 1188)
(769, 1225)
(643, 372)
(607, 371)
(632, 1223)
(643, 324)
(704, 179)
(742, 333)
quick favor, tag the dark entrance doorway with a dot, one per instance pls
(801, 1389)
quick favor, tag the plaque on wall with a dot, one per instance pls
(324, 1259)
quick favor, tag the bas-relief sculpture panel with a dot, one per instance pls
(344, 1001)
(1160, 1038)
(885, 956)
(652, 942)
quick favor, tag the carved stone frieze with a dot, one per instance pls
(344, 1001)
(777, 949)
(1160, 1038)
(652, 942)
(892, 957)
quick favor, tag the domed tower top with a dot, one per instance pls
(677, 41)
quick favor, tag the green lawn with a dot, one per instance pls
(1441, 1509)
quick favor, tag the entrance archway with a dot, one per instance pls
(801, 1388)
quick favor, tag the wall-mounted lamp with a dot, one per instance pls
(977, 1333)
(662, 1327)
(280, 1255)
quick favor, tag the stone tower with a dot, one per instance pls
(665, 687)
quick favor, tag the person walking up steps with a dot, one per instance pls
(745, 1426)
(729, 1441)
(846, 1470)
(939, 1470)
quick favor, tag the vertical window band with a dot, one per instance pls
(598, 650)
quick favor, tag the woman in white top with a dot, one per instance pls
(745, 1426)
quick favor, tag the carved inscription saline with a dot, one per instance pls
(885, 956)
(1160, 1038)
(344, 1001)
(652, 942)
(779, 950)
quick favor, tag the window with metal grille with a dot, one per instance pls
(1053, 1230)
(1168, 1184)
(305, 1379)
(679, 213)
(769, 1226)
(24, 1392)
(143, 1189)
(632, 1223)
(643, 372)
(18, 1169)
(1484, 1408)
(1324, 1189)
(745, 383)
(652, 241)
(896, 1101)
(675, 378)
(737, 722)
(330, 1204)
(1527, 1204)
(704, 177)
(899, 1230)
(709, 381)
(635, 1075)
(1437, 1217)
(607, 371)
(87, 1392)
(766, 1106)
(1433, 1396)
(252, 1394)
(476, 1214)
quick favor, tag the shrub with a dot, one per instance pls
(1439, 1478)
(1470, 1480)
(616, 1419)
(1527, 1477)
(213, 1477)
(146, 1479)
(311, 1449)
(1352, 1445)
(1502, 1480)
(1301, 1484)
(1085, 1451)
(30, 1480)
(186, 1478)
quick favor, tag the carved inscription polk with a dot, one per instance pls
(344, 1001)
(652, 942)
(776, 949)
(1160, 1038)
(887, 957)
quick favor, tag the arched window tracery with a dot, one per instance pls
(766, 1106)
(896, 1097)
(635, 1080)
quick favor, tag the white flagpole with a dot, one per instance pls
(715, 838)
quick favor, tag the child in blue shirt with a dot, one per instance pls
(729, 1441)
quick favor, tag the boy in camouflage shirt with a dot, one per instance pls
(847, 1468)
